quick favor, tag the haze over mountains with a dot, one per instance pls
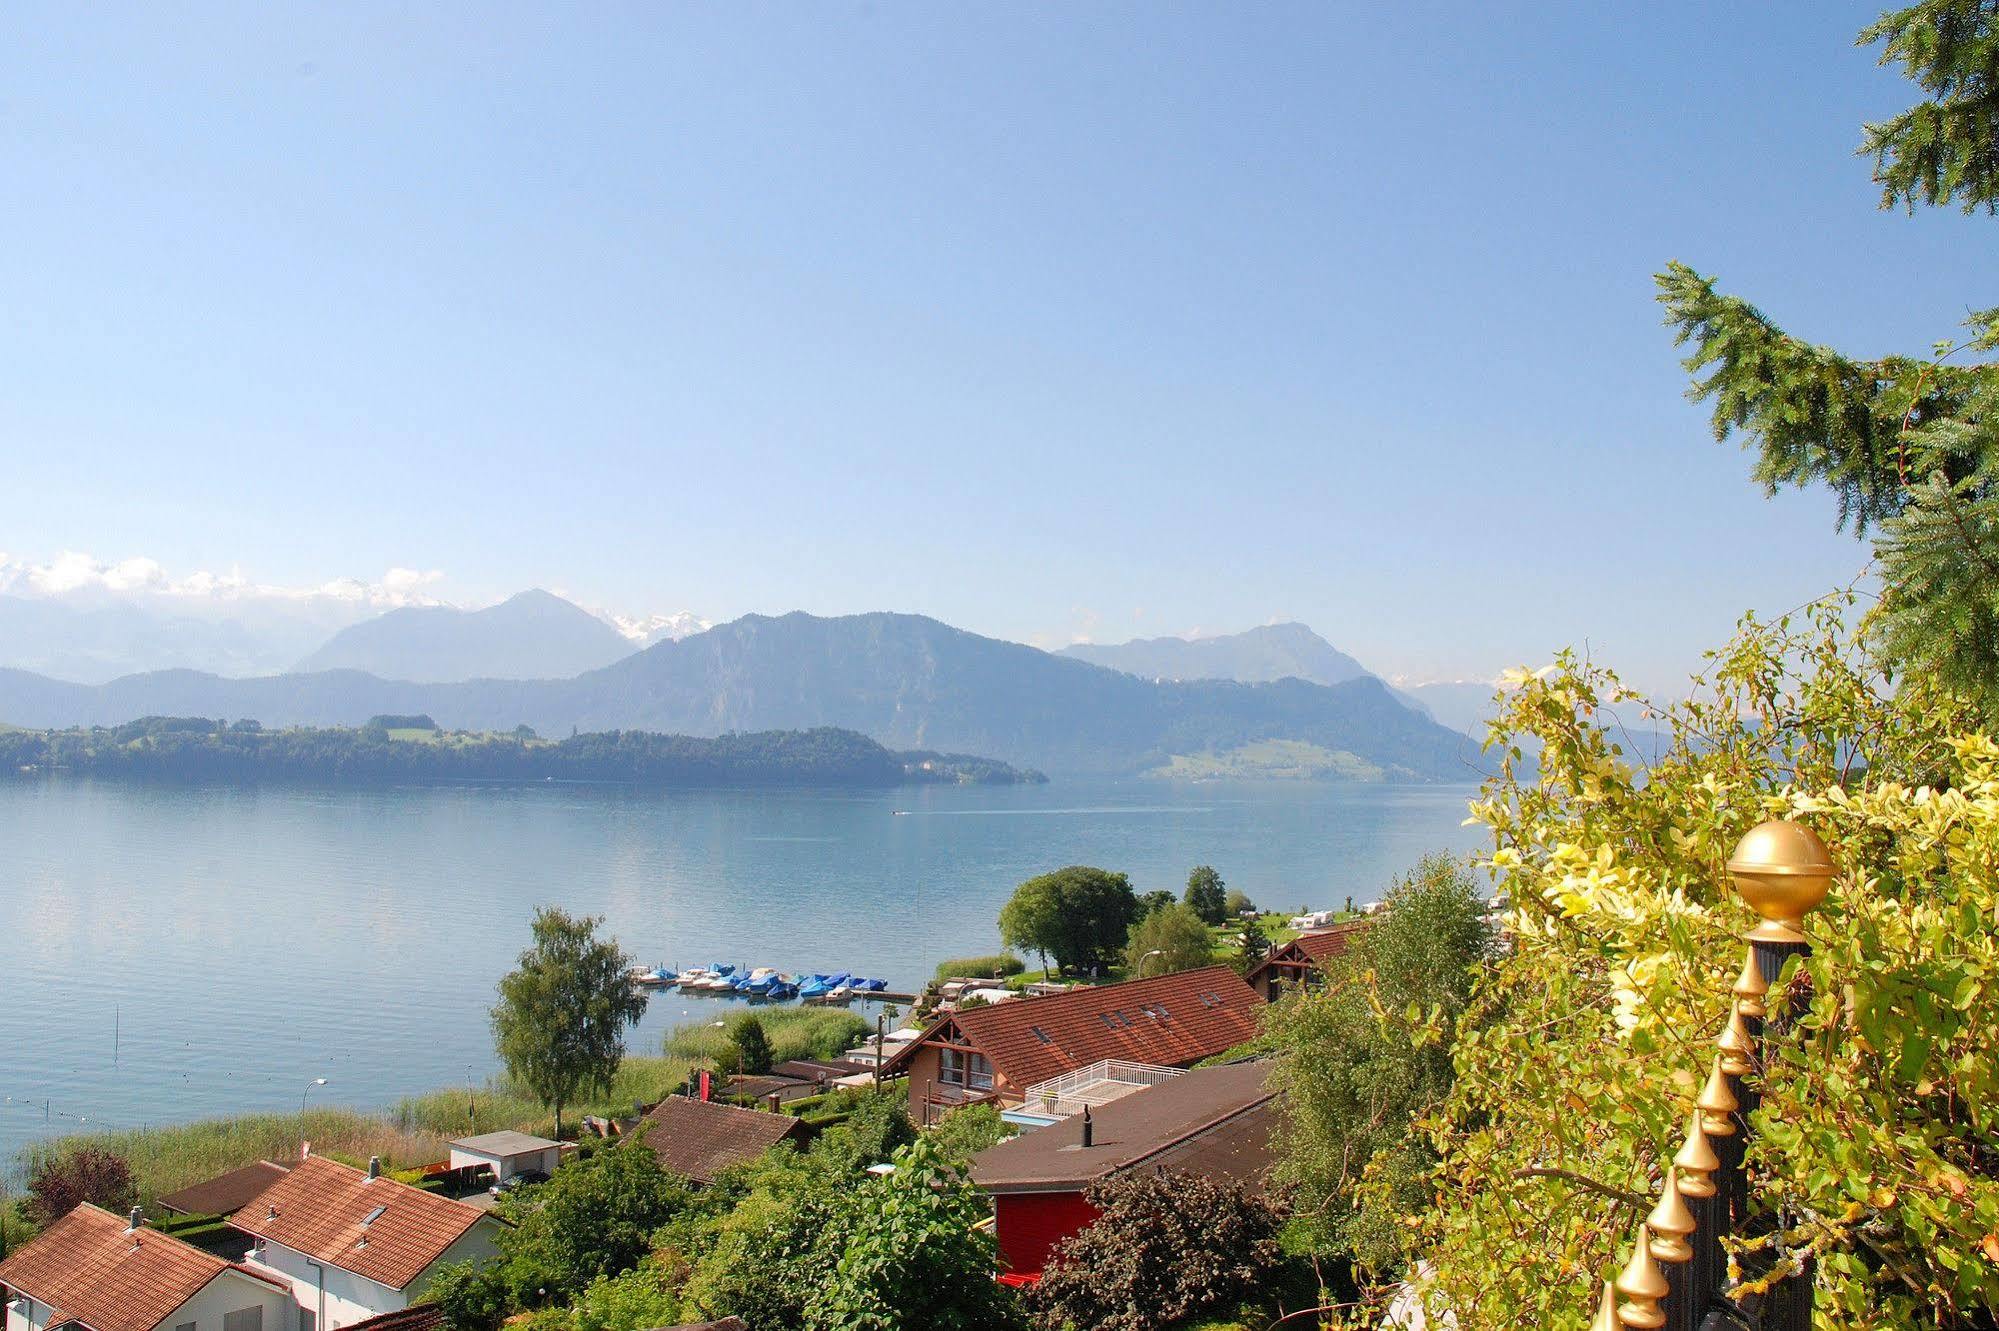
(905, 680)
(1275, 651)
(533, 635)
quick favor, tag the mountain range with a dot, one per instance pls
(908, 681)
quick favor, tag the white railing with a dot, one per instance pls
(1104, 1080)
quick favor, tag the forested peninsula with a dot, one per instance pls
(414, 750)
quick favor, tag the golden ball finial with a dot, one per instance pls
(1782, 870)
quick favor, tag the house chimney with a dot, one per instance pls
(138, 1220)
(1089, 1128)
(305, 1150)
(374, 1166)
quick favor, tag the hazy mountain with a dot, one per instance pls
(535, 635)
(1461, 705)
(907, 681)
(1275, 651)
(91, 643)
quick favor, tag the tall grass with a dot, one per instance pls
(794, 1032)
(417, 1131)
(165, 1159)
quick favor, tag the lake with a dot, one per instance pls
(175, 953)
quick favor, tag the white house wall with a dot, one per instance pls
(348, 1298)
(229, 1293)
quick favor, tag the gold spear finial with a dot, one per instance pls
(1671, 1223)
(1738, 1051)
(1606, 1311)
(1750, 987)
(1696, 1161)
(1642, 1284)
(1716, 1102)
(1783, 871)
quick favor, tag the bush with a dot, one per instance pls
(1237, 903)
(968, 1130)
(1875, 1136)
(472, 1295)
(81, 1174)
(595, 1218)
(997, 966)
(1166, 1246)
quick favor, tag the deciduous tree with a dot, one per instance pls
(561, 1020)
(1365, 1053)
(1080, 915)
(1179, 937)
(1206, 893)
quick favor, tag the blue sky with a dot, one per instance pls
(1049, 321)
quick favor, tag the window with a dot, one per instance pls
(244, 1319)
(185, 1326)
(308, 1320)
(959, 1067)
(1041, 1035)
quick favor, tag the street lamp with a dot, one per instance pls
(1155, 952)
(316, 1081)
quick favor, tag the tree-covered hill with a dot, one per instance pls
(199, 749)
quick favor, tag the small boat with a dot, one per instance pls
(820, 985)
(721, 979)
(652, 977)
(861, 986)
(781, 990)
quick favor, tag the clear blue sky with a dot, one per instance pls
(1046, 320)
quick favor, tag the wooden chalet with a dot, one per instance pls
(1301, 960)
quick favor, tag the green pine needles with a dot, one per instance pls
(1908, 445)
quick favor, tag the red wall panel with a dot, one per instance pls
(1030, 1224)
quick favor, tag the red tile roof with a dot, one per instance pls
(90, 1267)
(1324, 944)
(1172, 1019)
(699, 1139)
(323, 1209)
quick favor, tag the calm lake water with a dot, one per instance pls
(176, 953)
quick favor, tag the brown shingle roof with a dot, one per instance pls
(1215, 1122)
(698, 1139)
(90, 1268)
(322, 1209)
(225, 1192)
(1172, 1019)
